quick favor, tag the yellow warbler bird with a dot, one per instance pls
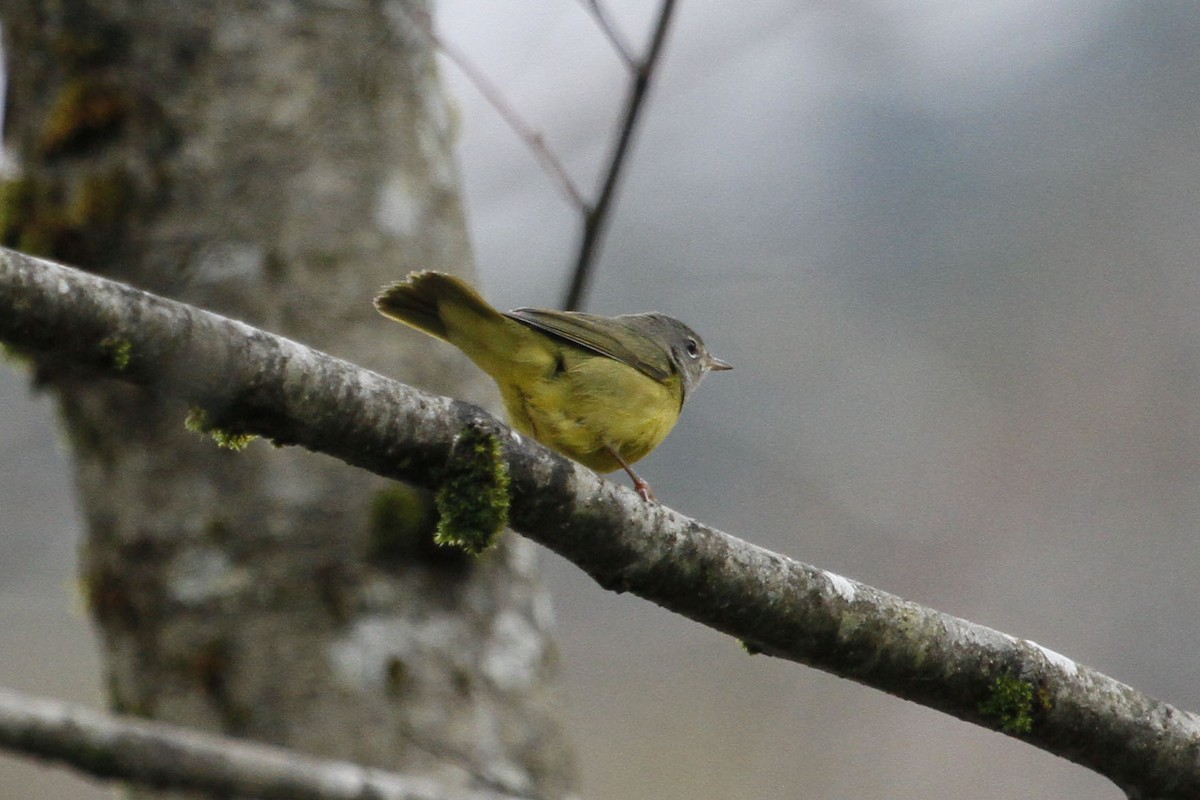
(604, 391)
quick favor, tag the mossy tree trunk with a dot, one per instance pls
(275, 162)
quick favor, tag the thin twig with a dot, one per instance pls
(596, 219)
(595, 215)
(493, 95)
(167, 756)
(609, 28)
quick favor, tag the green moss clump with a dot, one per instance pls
(198, 422)
(473, 498)
(1010, 704)
(118, 349)
(402, 530)
(231, 441)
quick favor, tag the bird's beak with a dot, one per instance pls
(718, 364)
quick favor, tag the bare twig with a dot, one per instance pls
(610, 31)
(170, 757)
(493, 95)
(595, 215)
(596, 218)
(251, 381)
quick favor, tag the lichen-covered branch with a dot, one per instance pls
(249, 381)
(171, 757)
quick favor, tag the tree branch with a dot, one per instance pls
(595, 220)
(609, 28)
(533, 139)
(169, 757)
(252, 381)
(595, 215)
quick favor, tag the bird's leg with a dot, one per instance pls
(640, 485)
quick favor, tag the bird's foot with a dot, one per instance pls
(643, 489)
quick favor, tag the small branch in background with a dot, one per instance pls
(492, 94)
(169, 757)
(610, 30)
(596, 217)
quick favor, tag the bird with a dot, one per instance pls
(604, 391)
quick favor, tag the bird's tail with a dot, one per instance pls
(418, 299)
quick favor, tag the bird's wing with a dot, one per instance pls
(597, 334)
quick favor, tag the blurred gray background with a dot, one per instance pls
(950, 248)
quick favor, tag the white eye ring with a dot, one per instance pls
(692, 347)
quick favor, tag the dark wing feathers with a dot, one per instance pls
(595, 333)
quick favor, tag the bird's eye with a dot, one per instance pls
(693, 348)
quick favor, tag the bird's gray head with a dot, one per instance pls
(685, 349)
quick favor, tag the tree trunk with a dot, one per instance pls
(275, 162)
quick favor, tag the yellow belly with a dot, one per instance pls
(591, 404)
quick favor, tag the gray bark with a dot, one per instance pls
(276, 162)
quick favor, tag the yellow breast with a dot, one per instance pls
(589, 403)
